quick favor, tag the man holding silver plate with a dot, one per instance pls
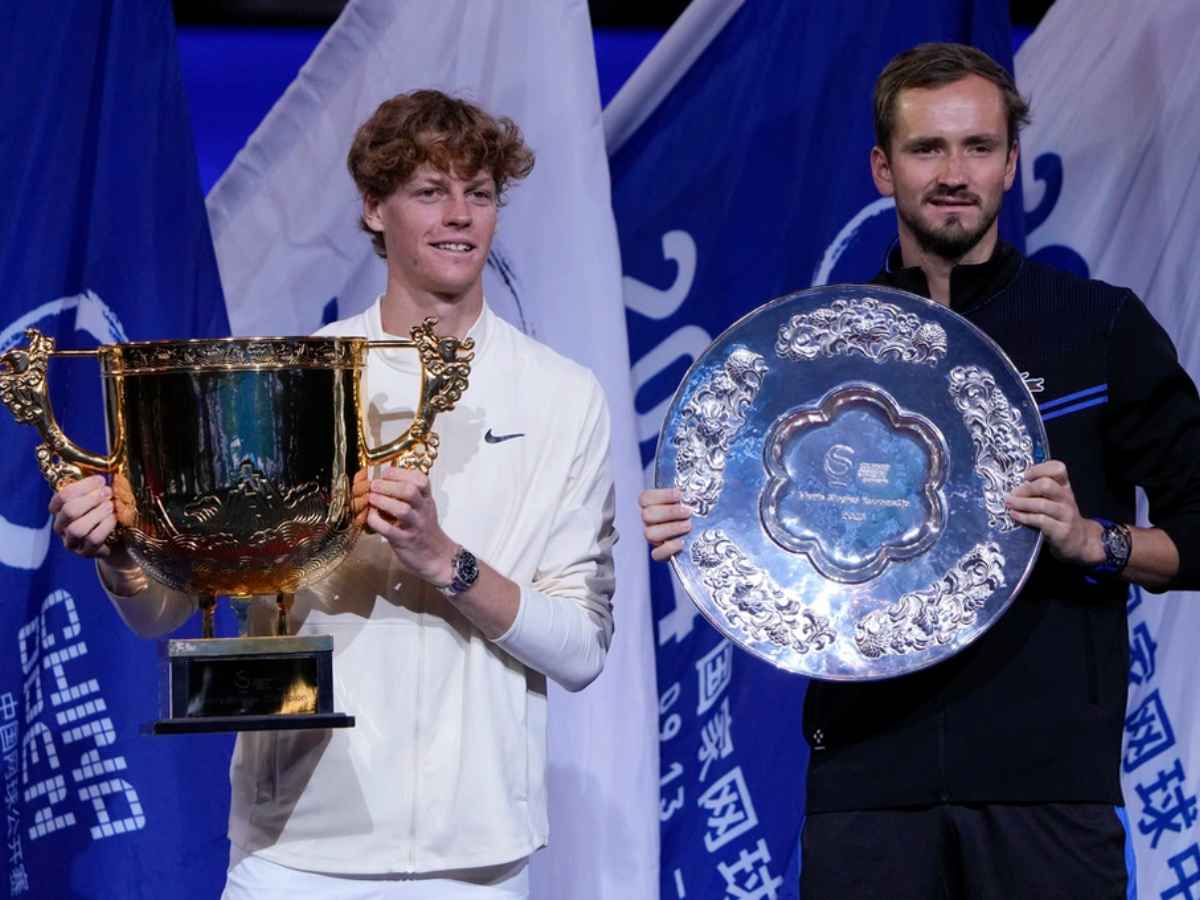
(854, 483)
(475, 583)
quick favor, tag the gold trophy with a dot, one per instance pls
(239, 467)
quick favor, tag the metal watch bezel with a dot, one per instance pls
(464, 572)
(1117, 541)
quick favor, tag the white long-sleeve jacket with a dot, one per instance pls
(445, 767)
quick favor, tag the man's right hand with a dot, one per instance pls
(666, 520)
(84, 517)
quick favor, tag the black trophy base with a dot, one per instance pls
(249, 684)
(207, 724)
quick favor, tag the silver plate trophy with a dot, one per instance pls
(846, 451)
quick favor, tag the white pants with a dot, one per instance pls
(255, 878)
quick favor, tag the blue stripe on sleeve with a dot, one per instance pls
(1078, 395)
(1074, 408)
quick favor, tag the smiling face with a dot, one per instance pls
(948, 165)
(437, 228)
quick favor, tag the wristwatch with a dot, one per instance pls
(464, 571)
(1117, 540)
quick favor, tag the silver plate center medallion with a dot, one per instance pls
(854, 482)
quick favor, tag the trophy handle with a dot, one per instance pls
(25, 390)
(445, 366)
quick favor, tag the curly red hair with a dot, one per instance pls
(427, 126)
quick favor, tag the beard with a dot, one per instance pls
(952, 241)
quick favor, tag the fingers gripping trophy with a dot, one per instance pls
(238, 468)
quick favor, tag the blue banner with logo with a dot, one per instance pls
(747, 178)
(103, 238)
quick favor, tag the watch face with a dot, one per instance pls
(1123, 543)
(1117, 546)
(466, 568)
(470, 569)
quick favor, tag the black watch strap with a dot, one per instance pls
(1117, 540)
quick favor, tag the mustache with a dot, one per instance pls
(959, 195)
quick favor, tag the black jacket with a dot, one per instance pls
(1034, 710)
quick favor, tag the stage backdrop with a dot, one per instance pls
(285, 227)
(102, 238)
(1112, 180)
(739, 161)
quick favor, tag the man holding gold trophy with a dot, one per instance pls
(989, 768)
(473, 585)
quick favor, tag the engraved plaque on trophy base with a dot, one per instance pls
(250, 684)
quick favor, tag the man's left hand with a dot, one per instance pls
(1046, 502)
(401, 509)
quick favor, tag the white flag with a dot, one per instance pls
(1112, 177)
(284, 220)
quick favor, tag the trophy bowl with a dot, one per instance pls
(238, 465)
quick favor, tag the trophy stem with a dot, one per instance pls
(241, 612)
(284, 603)
(208, 606)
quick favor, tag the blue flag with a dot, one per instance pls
(103, 238)
(744, 176)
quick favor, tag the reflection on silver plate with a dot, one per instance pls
(847, 450)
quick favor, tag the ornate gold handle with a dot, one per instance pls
(445, 366)
(25, 390)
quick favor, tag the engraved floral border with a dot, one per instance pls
(872, 328)
(751, 602)
(220, 353)
(708, 422)
(1003, 447)
(937, 615)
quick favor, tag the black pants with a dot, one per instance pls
(979, 852)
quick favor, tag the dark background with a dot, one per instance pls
(605, 13)
(238, 56)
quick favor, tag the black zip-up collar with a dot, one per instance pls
(970, 285)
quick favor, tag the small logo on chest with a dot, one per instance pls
(501, 438)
